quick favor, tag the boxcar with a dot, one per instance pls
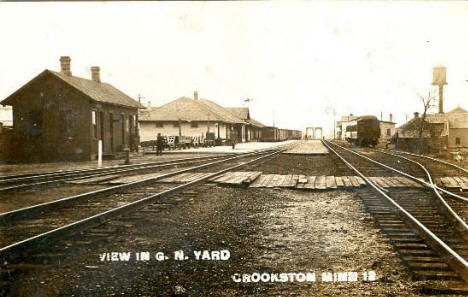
(269, 134)
(363, 131)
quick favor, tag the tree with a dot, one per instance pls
(428, 102)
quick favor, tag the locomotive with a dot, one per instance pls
(363, 131)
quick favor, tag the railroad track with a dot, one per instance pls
(28, 181)
(429, 238)
(444, 166)
(439, 168)
(25, 230)
(456, 200)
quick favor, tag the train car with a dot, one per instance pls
(296, 134)
(282, 135)
(363, 131)
(272, 134)
(269, 134)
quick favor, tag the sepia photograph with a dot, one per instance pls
(234, 148)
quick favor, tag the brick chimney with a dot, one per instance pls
(195, 95)
(65, 65)
(416, 115)
(390, 118)
(95, 70)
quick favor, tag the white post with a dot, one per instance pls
(99, 153)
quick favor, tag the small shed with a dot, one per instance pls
(60, 117)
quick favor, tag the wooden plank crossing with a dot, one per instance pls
(464, 185)
(354, 181)
(347, 183)
(237, 178)
(289, 181)
(331, 182)
(301, 180)
(339, 181)
(449, 182)
(258, 182)
(361, 181)
(453, 182)
(310, 182)
(321, 182)
(256, 179)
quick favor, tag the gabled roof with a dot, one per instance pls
(244, 114)
(187, 109)
(100, 92)
(221, 111)
(414, 123)
(255, 123)
(458, 110)
(240, 112)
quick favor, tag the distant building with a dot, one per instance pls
(57, 116)
(442, 130)
(458, 128)
(342, 124)
(197, 117)
(387, 130)
(253, 128)
(434, 133)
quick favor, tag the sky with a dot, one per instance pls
(298, 61)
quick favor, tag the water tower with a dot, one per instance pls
(439, 79)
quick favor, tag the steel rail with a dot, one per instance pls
(460, 223)
(109, 171)
(9, 216)
(436, 160)
(453, 259)
(424, 182)
(462, 227)
(17, 179)
(100, 218)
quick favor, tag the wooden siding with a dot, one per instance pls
(52, 122)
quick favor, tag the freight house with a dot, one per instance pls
(195, 117)
(57, 117)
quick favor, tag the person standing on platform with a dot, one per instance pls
(159, 144)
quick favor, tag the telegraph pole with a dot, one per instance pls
(273, 118)
(140, 97)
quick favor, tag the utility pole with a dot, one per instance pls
(334, 123)
(140, 97)
(273, 118)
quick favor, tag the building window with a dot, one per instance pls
(194, 124)
(388, 132)
(176, 125)
(159, 125)
(457, 141)
(93, 122)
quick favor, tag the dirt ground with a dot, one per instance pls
(265, 230)
(302, 164)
